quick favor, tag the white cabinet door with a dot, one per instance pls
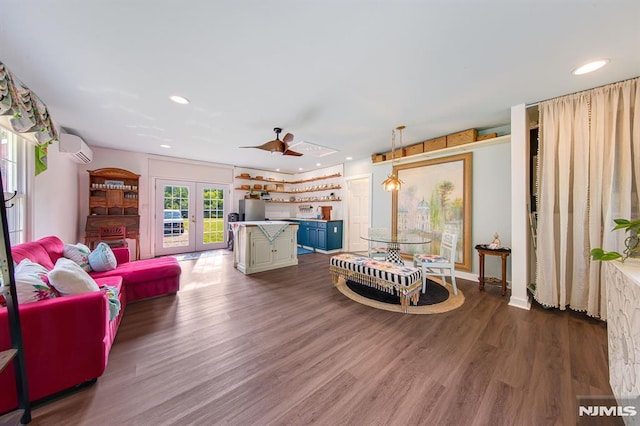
(283, 247)
(261, 250)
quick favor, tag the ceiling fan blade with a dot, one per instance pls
(289, 152)
(287, 138)
(272, 146)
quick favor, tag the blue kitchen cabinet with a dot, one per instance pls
(324, 235)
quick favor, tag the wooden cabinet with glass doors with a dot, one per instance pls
(113, 201)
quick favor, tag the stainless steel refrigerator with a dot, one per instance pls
(251, 209)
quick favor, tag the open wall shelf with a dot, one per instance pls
(292, 191)
(262, 179)
(299, 192)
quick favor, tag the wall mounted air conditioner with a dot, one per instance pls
(76, 147)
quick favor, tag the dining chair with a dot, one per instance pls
(440, 265)
(377, 250)
(114, 236)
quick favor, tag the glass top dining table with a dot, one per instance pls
(393, 244)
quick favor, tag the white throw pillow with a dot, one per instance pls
(69, 278)
(31, 282)
(79, 253)
(102, 258)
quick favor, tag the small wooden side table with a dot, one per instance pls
(503, 252)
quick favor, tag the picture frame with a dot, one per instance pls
(435, 197)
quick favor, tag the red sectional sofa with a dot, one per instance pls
(67, 339)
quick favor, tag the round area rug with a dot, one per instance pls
(438, 299)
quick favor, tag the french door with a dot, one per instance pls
(190, 216)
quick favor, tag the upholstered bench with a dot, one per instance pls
(404, 281)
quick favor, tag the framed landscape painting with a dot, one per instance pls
(435, 198)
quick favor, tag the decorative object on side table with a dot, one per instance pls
(495, 244)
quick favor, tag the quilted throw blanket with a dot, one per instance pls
(114, 302)
(272, 230)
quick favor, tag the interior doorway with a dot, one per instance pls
(190, 216)
(358, 212)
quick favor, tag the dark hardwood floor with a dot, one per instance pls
(284, 347)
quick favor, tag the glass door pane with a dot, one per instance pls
(211, 227)
(174, 230)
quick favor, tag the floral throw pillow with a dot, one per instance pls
(79, 253)
(32, 284)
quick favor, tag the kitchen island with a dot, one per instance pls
(264, 245)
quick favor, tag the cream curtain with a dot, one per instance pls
(589, 174)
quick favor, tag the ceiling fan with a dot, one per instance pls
(278, 145)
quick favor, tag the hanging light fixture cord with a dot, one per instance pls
(393, 147)
(400, 129)
(392, 183)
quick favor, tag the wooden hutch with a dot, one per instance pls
(113, 201)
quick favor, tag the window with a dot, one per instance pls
(13, 167)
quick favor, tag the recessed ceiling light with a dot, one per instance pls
(165, 146)
(277, 170)
(349, 158)
(318, 164)
(179, 99)
(590, 67)
(300, 169)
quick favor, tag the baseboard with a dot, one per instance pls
(328, 251)
(317, 250)
(518, 302)
(467, 276)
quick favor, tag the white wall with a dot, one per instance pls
(491, 204)
(491, 199)
(131, 161)
(54, 207)
(149, 167)
(519, 212)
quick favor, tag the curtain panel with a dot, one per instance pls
(589, 175)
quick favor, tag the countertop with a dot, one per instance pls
(261, 222)
(303, 219)
(630, 267)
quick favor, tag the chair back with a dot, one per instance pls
(113, 234)
(448, 246)
(378, 232)
(376, 248)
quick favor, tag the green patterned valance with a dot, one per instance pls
(25, 112)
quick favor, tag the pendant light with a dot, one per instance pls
(392, 183)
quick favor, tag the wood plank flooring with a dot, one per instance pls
(284, 347)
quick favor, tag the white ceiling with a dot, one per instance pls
(341, 74)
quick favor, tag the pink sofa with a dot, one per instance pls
(67, 339)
